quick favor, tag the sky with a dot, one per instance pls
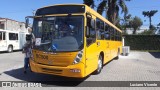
(19, 9)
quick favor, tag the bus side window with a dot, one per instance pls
(4, 36)
(100, 29)
(92, 33)
(112, 33)
(107, 33)
(13, 36)
(0, 35)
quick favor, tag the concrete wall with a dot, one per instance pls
(13, 25)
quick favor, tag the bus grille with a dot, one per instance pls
(54, 71)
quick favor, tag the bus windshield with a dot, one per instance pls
(59, 33)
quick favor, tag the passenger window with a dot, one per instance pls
(13, 36)
(92, 33)
(112, 33)
(106, 32)
(100, 29)
(4, 36)
(0, 35)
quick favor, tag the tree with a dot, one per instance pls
(111, 7)
(150, 14)
(135, 23)
(89, 3)
(147, 32)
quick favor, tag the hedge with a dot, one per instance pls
(143, 42)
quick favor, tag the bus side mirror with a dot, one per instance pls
(27, 22)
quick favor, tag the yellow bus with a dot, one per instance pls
(72, 40)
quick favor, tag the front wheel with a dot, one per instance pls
(100, 65)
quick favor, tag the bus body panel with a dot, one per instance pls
(61, 59)
(68, 71)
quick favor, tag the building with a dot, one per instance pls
(9, 24)
(140, 30)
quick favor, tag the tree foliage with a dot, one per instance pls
(111, 7)
(150, 14)
(135, 23)
(89, 3)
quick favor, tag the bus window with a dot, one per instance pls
(4, 36)
(0, 35)
(100, 29)
(112, 30)
(13, 36)
(92, 37)
(107, 33)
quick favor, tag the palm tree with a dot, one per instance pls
(135, 23)
(90, 3)
(149, 14)
(113, 7)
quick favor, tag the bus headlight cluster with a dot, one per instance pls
(78, 57)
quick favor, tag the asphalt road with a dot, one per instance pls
(138, 66)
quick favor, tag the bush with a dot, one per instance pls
(143, 42)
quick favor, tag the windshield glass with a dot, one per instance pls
(61, 33)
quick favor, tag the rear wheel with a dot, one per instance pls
(10, 49)
(100, 65)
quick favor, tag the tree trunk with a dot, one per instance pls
(111, 13)
(134, 31)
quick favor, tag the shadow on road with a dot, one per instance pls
(5, 52)
(44, 79)
(155, 54)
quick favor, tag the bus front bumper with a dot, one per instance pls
(76, 70)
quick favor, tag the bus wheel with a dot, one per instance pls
(100, 65)
(10, 49)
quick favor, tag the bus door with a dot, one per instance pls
(3, 41)
(91, 47)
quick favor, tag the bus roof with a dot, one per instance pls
(9, 31)
(61, 5)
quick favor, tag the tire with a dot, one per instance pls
(10, 49)
(100, 65)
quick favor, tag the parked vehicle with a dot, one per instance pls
(11, 40)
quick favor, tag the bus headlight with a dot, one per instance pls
(78, 57)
